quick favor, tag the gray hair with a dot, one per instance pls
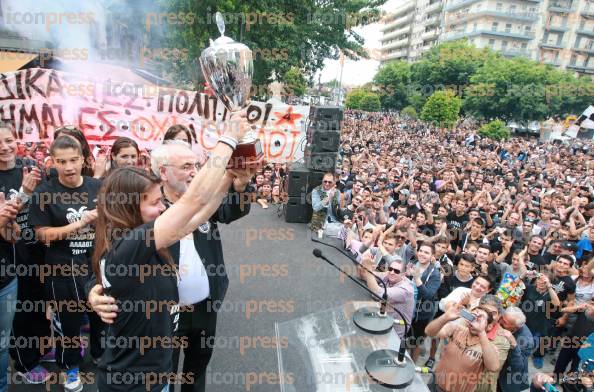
(493, 300)
(161, 155)
(518, 316)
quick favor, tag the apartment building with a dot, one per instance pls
(555, 32)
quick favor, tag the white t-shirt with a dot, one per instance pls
(193, 284)
(456, 295)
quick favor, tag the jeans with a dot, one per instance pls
(8, 298)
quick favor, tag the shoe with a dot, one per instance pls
(37, 375)
(538, 362)
(72, 382)
(50, 356)
(430, 362)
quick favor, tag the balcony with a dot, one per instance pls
(516, 52)
(396, 44)
(433, 7)
(519, 16)
(561, 7)
(454, 35)
(589, 33)
(581, 68)
(397, 22)
(588, 11)
(561, 28)
(583, 50)
(395, 34)
(460, 4)
(546, 45)
(432, 21)
(430, 34)
(401, 54)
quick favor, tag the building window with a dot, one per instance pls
(524, 45)
(494, 26)
(573, 59)
(508, 27)
(512, 8)
(491, 42)
(499, 6)
(474, 27)
(504, 45)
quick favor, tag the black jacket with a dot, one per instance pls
(208, 244)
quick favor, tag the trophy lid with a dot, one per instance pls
(223, 41)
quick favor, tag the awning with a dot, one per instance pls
(13, 61)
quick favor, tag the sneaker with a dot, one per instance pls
(50, 356)
(430, 362)
(72, 382)
(37, 375)
(538, 362)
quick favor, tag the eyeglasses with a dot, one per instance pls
(395, 270)
(328, 182)
(187, 166)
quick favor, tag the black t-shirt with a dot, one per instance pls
(145, 288)
(26, 250)
(456, 226)
(563, 286)
(534, 305)
(54, 205)
(536, 262)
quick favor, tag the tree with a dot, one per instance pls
(449, 65)
(442, 108)
(392, 82)
(410, 112)
(515, 89)
(281, 34)
(495, 129)
(363, 99)
(294, 82)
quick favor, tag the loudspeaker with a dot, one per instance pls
(322, 140)
(297, 180)
(314, 179)
(297, 210)
(326, 117)
(321, 161)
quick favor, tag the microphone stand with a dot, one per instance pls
(387, 367)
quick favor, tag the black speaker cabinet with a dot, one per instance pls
(298, 210)
(320, 161)
(297, 180)
(323, 140)
(326, 117)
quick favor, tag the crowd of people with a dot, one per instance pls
(485, 246)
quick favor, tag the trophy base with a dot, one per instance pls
(246, 154)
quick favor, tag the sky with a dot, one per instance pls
(356, 73)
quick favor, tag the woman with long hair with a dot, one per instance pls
(124, 153)
(132, 263)
(178, 132)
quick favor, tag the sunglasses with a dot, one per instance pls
(328, 182)
(395, 270)
(400, 237)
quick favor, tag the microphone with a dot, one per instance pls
(366, 320)
(384, 299)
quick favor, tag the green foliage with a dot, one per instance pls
(517, 89)
(281, 34)
(495, 129)
(392, 82)
(442, 108)
(409, 111)
(363, 99)
(295, 82)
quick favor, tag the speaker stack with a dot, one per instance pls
(320, 156)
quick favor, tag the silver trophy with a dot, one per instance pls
(227, 66)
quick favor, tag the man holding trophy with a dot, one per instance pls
(227, 67)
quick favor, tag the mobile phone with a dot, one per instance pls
(550, 388)
(467, 315)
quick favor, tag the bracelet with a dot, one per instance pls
(228, 140)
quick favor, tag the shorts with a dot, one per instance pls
(418, 328)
